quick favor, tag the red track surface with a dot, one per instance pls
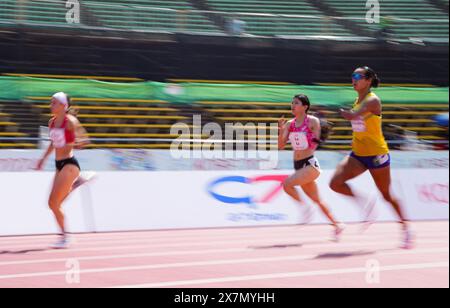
(249, 257)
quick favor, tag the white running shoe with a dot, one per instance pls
(84, 178)
(307, 214)
(62, 243)
(407, 240)
(338, 232)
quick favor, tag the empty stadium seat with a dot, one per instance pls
(152, 15)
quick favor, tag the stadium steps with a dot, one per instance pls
(348, 24)
(277, 24)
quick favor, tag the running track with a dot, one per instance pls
(227, 258)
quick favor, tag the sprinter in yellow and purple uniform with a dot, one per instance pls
(370, 150)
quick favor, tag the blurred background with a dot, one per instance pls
(144, 73)
(136, 67)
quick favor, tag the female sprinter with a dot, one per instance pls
(370, 150)
(304, 133)
(66, 133)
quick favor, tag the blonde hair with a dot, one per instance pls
(70, 110)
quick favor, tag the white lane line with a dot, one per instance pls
(196, 263)
(263, 245)
(127, 256)
(95, 240)
(204, 239)
(340, 271)
(278, 231)
(149, 238)
(298, 239)
(190, 252)
(173, 235)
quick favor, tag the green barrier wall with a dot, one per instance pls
(21, 88)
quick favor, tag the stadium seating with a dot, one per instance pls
(416, 20)
(14, 120)
(153, 15)
(128, 123)
(262, 24)
(407, 19)
(172, 15)
(408, 117)
(38, 13)
(7, 11)
(122, 120)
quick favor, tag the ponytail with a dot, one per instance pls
(371, 74)
(326, 128)
(70, 110)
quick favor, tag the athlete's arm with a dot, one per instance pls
(283, 133)
(49, 151)
(81, 135)
(316, 129)
(371, 106)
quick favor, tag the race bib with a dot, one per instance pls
(58, 137)
(359, 126)
(299, 141)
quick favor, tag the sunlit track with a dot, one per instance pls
(248, 257)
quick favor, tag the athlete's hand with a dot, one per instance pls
(282, 122)
(81, 144)
(40, 165)
(346, 114)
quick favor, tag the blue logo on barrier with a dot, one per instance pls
(249, 200)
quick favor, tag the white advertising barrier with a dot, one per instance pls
(24, 209)
(118, 201)
(27, 160)
(162, 160)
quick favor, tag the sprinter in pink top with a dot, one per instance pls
(304, 133)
